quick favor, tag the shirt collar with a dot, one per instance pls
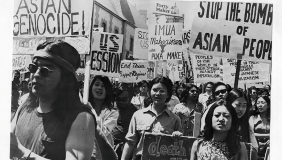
(166, 110)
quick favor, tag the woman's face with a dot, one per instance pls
(159, 93)
(240, 105)
(180, 89)
(208, 88)
(262, 105)
(193, 93)
(143, 88)
(221, 119)
(99, 90)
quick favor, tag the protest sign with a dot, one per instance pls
(106, 54)
(176, 70)
(185, 44)
(81, 44)
(229, 28)
(164, 147)
(165, 42)
(141, 44)
(205, 68)
(250, 71)
(54, 18)
(135, 71)
(166, 8)
(21, 62)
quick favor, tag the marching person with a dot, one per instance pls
(139, 100)
(203, 97)
(53, 123)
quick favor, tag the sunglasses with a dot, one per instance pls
(223, 91)
(44, 71)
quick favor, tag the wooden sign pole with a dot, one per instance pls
(238, 66)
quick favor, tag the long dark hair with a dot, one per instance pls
(244, 120)
(185, 94)
(177, 87)
(67, 89)
(267, 100)
(232, 139)
(108, 101)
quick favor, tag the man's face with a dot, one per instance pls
(16, 75)
(123, 99)
(45, 85)
(254, 93)
(220, 92)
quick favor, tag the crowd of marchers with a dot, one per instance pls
(50, 121)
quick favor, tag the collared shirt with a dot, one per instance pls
(203, 98)
(146, 120)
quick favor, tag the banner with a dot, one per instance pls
(21, 63)
(226, 29)
(54, 18)
(165, 41)
(135, 71)
(164, 147)
(205, 68)
(106, 54)
(166, 8)
(141, 44)
(250, 71)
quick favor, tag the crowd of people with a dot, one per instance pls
(49, 120)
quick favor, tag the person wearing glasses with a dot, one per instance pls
(53, 123)
(156, 118)
(187, 108)
(126, 109)
(253, 95)
(260, 123)
(219, 91)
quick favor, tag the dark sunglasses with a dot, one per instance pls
(44, 71)
(125, 99)
(223, 91)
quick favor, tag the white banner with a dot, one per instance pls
(226, 29)
(141, 44)
(106, 54)
(21, 62)
(166, 8)
(135, 71)
(56, 18)
(165, 41)
(250, 72)
(206, 68)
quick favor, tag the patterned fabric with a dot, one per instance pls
(214, 150)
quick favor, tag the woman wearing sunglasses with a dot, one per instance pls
(53, 123)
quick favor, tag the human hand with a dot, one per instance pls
(16, 148)
(176, 134)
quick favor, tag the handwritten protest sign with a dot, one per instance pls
(250, 71)
(106, 54)
(135, 71)
(164, 147)
(21, 62)
(54, 18)
(141, 44)
(175, 70)
(165, 42)
(166, 8)
(205, 68)
(229, 28)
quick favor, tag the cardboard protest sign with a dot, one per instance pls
(250, 71)
(21, 62)
(106, 54)
(176, 70)
(165, 42)
(166, 8)
(229, 28)
(141, 44)
(54, 18)
(164, 147)
(205, 68)
(135, 71)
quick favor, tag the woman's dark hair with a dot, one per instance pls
(108, 101)
(243, 122)
(182, 85)
(232, 138)
(166, 82)
(214, 88)
(142, 82)
(206, 84)
(67, 89)
(267, 100)
(262, 91)
(124, 87)
(185, 94)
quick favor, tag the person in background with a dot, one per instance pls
(179, 89)
(187, 108)
(52, 123)
(239, 101)
(16, 79)
(268, 88)
(219, 140)
(253, 95)
(138, 100)
(219, 91)
(25, 89)
(263, 92)
(126, 109)
(203, 97)
(14, 100)
(101, 99)
(260, 123)
(156, 118)
(172, 102)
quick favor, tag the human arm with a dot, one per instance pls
(127, 151)
(193, 155)
(253, 139)
(243, 152)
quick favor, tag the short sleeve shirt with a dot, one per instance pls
(146, 120)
